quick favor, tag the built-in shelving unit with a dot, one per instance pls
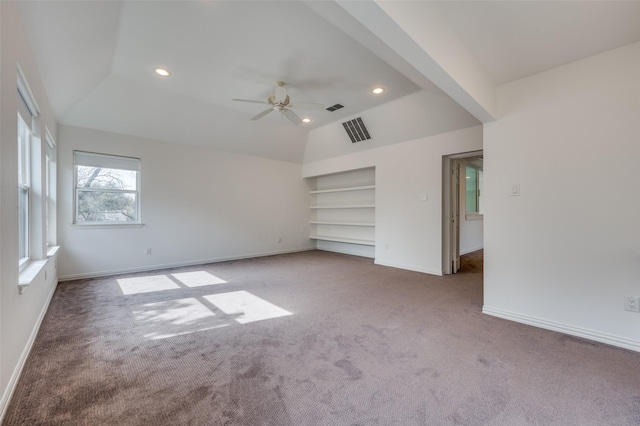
(343, 212)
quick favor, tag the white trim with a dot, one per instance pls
(175, 265)
(27, 94)
(471, 250)
(409, 267)
(109, 161)
(609, 339)
(13, 381)
(52, 250)
(49, 138)
(105, 225)
(30, 272)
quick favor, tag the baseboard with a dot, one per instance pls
(345, 251)
(609, 339)
(409, 267)
(98, 274)
(13, 381)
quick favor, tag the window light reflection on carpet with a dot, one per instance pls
(197, 278)
(246, 306)
(146, 284)
(149, 283)
(160, 320)
(175, 317)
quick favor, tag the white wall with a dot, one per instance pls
(413, 116)
(198, 205)
(564, 253)
(20, 314)
(471, 234)
(408, 231)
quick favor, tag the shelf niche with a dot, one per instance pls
(342, 212)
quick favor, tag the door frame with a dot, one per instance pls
(451, 223)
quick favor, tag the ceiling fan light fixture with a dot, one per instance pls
(377, 90)
(162, 72)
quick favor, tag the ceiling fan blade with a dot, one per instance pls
(292, 116)
(262, 114)
(280, 93)
(307, 105)
(250, 100)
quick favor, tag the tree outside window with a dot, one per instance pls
(106, 189)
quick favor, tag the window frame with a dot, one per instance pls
(479, 211)
(24, 187)
(76, 190)
(50, 190)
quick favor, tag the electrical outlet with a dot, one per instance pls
(631, 304)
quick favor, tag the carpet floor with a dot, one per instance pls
(312, 338)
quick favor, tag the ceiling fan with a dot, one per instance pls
(280, 101)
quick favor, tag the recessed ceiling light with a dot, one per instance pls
(377, 90)
(163, 72)
(306, 120)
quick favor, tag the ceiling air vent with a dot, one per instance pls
(335, 107)
(356, 130)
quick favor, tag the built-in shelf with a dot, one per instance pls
(345, 206)
(352, 188)
(343, 240)
(320, 222)
(342, 210)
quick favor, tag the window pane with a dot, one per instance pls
(23, 152)
(480, 191)
(23, 218)
(471, 193)
(100, 177)
(106, 206)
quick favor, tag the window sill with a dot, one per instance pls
(52, 250)
(473, 216)
(29, 273)
(105, 225)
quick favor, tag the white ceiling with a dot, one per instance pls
(97, 58)
(515, 39)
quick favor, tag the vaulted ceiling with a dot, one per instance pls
(97, 59)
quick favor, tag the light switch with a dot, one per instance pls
(424, 198)
(515, 189)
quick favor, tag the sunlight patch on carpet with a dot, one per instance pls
(197, 278)
(246, 307)
(146, 284)
(161, 320)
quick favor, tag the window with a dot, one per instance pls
(28, 113)
(50, 190)
(473, 193)
(24, 159)
(107, 189)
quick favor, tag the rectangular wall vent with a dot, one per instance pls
(335, 107)
(356, 130)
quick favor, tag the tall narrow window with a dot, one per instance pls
(107, 189)
(27, 111)
(24, 160)
(50, 189)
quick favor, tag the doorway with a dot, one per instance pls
(463, 208)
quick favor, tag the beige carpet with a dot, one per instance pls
(312, 338)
